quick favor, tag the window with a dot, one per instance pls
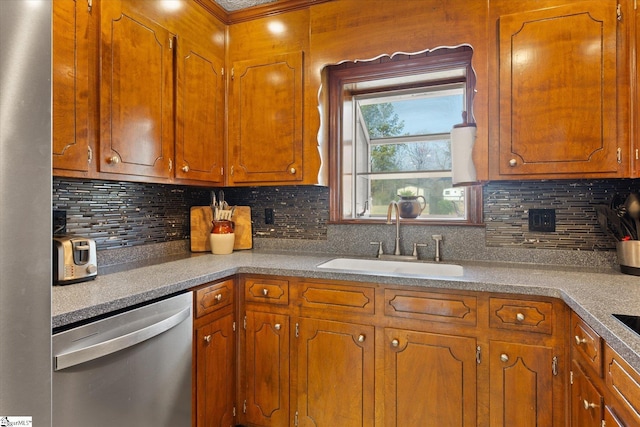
(390, 124)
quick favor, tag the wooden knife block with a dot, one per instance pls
(201, 224)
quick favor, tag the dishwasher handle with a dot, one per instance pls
(104, 348)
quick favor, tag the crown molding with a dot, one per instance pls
(259, 11)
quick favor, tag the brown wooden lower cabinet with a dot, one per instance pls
(430, 379)
(266, 366)
(215, 376)
(586, 400)
(521, 384)
(324, 353)
(605, 390)
(335, 374)
(214, 349)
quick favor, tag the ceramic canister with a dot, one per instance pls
(222, 237)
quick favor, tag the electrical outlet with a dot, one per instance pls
(543, 220)
(268, 215)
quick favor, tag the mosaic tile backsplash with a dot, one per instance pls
(507, 204)
(120, 214)
(124, 214)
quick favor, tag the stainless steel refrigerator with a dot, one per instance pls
(25, 210)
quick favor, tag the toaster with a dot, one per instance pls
(74, 259)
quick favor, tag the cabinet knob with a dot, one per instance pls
(588, 405)
(277, 326)
(292, 171)
(361, 338)
(207, 339)
(519, 317)
(185, 168)
(265, 292)
(218, 297)
(580, 340)
(513, 162)
(504, 357)
(395, 343)
(113, 160)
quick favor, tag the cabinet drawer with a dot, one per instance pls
(458, 309)
(213, 297)
(270, 291)
(521, 315)
(586, 343)
(358, 299)
(623, 382)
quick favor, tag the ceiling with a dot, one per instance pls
(233, 5)
(234, 11)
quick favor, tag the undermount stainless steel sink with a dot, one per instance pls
(394, 268)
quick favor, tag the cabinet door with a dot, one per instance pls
(200, 115)
(635, 104)
(558, 90)
(266, 366)
(520, 385)
(335, 374)
(70, 74)
(136, 94)
(586, 401)
(265, 134)
(215, 373)
(611, 419)
(430, 379)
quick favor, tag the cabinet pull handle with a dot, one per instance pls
(113, 160)
(207, 339)
(185, 168)
(292, 171)
(265, 292)
(580, 340)
(395, 343)
(513, 162)
(588, 405)
(519, 317)
(277, 326)
(218, 297)
(361, 337)
(504, 357)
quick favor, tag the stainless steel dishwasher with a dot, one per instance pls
(130, 369)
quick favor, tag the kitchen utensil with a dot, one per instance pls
(632, 204)
(221, 203)
(606, 220)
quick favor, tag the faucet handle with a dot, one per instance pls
(415, 248)
(380, 251)
(438, 239)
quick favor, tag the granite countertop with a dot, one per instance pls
(594, 294)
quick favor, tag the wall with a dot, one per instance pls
(121, 214)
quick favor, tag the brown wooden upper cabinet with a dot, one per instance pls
(265, 120)
(635, 114)
(70, 76)
(558, 92)
(136, 94)
(200, 115)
